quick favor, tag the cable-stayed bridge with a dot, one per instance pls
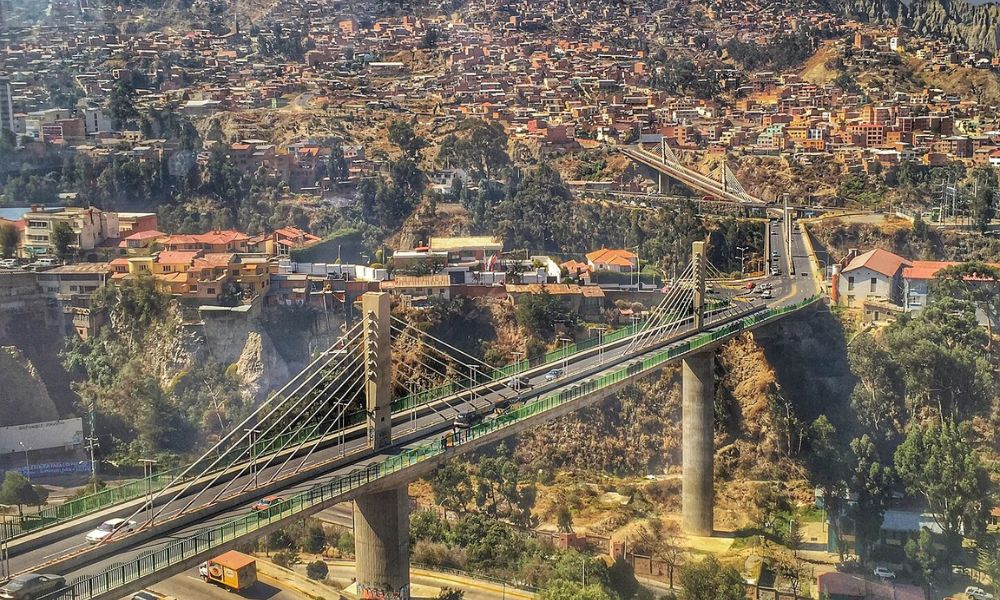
(387, 404)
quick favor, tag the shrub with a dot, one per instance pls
(285, 558)
(317, 570)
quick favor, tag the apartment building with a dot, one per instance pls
(90, 226)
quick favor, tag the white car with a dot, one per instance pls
(553, 374)
(8, 263)
(109, 528)
(978, 593)
(884, 573)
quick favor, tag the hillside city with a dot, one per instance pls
(462, 299)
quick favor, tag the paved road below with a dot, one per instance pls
(188, 586)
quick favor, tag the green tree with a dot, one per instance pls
(62, 238)
(17, 490)
(121, 103)
(936, 461)
(426, 525)
(10, 237)
(925, 558)
(313, 538)
(450, 594)
(499, 491)
(988, 559)
(564, 517)
(402, 135)
(983, 202)
(317, 570)
(538, 216)
(871, 484)
(539, 313)
(560, 589)
(710, 580)
(877, 397)
(975, 282)
(452, 486)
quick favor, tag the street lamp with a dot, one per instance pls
(27, 465)
(147, 474)
(517, 371)
(565, 342)
(742, 250)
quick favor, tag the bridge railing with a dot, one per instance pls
(148, 563)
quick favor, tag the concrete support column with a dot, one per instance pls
(382, 542)
(698, 449)
(698, 303)
(767, 244)
(661, 182)
(378, 368)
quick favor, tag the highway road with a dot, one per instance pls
(189, 585)
(787, 289)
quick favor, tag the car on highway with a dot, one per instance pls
(267, 502)
(775, 271)
(884, 573)
(553, 374)
(148, 595)
(109, 528)
(8, 263)
(31, 586)
(465, 419)
(519, 383)
(750, 286)
(766, 295)
(977, 593)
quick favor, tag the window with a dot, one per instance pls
(874, 284)
(850, 283)
(167, 268)
(38, 224)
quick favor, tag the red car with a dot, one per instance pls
(750, 286)
(267, 502)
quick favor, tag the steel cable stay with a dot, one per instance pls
(321, 397)
(343, 404)
(252, 463)
(662, 311)
(667, 328)
(294, 385)
(426, 349)
(444, 400)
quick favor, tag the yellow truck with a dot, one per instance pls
(233, 570)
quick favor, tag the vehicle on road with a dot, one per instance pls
(775, 271)
(31, 586)
(8, 263)
(519, 383)
(850, 566)
(750, 286)
(977, 593)
(233, 570)
(884, 573)
(766, 295)
(466, 419)
(109, 528)
(267, 502)
(553, 374)
(41, 264)
(148, 595)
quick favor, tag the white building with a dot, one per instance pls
(90, 227)
(876, 276)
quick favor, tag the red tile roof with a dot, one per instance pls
(623, 258)
(878, 260)
(928, 269)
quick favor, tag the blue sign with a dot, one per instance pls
(55, 468)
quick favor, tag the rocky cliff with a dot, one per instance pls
(972, 24)
(23, 397)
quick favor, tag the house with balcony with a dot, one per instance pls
(91, 228)
(618, 261)
(468, 251)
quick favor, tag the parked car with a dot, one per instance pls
(553, 374)
(8, 263)
(267, 502)
(750, 286)
(30, 586)
(884, 573)
(109, 528)
(850, 566)
(978, 593)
